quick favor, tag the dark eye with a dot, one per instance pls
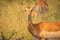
(25, 10)
(21, 3)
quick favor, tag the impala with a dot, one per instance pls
(42, 30)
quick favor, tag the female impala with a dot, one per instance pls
(42, 30)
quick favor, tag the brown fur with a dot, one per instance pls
(37, 29)
(44, 26)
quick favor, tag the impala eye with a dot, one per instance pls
(25, 10)
(22, 4)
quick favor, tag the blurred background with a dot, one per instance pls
(13, 18)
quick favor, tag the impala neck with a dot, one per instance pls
(29, 20)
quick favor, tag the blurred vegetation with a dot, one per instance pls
(13, 19)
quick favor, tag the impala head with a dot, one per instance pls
(29, 10)
(26, 9)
